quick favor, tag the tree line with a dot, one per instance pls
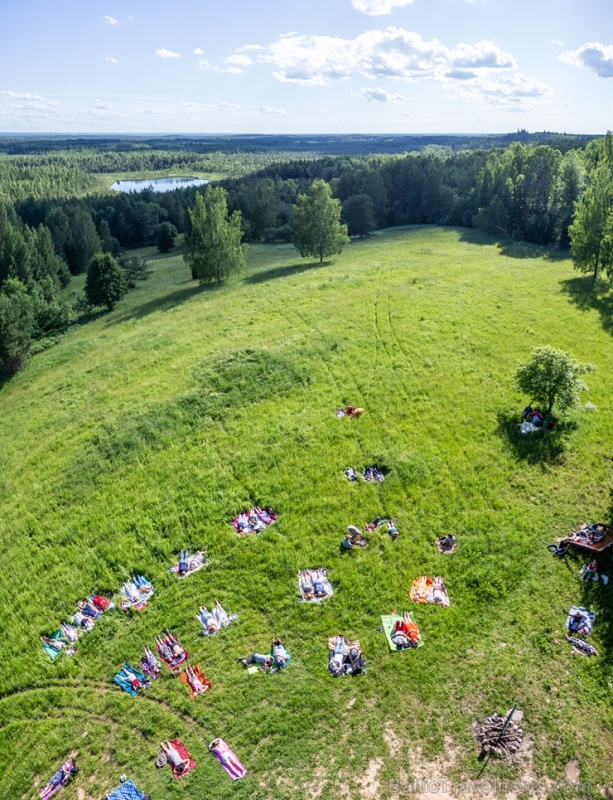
(534, 193)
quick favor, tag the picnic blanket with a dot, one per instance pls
(59, 779)
(350, 411)
(528, 427)
(582, 626)
(388, 622)
(123, 681)
(446, 550)
(314, 585)
(201, 677)
(373, 475)
(429, 590)
(253, 521)
(346, 664)
(220, 616)
(182, 751)
(136, 593)
(127, 791)
(172, 662)
(228, 759)
(596, 537)
(150, 664)
(187, 565)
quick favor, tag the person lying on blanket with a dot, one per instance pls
(56, 644)
(207, 620)
(350, 473)
(580, 622)
(127, 674)
(447, 542)
(406, 632)
(221, 614)
(59, 778)
(170, 649)
(346, 543)
(82, 621)
(132, 592)
(194, 681)
(178, 764)
(69, 631)
(150, 664)
(357, 537)
(341, 664)
(88, 609)
(265, 662)
(279, 654)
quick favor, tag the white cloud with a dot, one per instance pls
(206, 65)
(111, 20)
(223, 104)
(198, 51)
(253, 46)
(20, 95)
(101, 104)
(162, 52)
(240, 59)
(391, 53)
(558, 42)
(24, 101)
(375, 8)
(376, 95)
(112, 60)
(508, 92)
(593, 55)
(271, 110)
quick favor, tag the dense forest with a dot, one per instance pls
(49, 230)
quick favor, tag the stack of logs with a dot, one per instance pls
(492, 739)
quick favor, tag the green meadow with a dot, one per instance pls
(147, 429)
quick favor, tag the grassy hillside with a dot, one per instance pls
(149, 428)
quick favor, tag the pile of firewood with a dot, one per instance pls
(493, 740)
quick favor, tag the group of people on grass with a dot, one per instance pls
(84, 618)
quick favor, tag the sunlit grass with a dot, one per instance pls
(133, 438)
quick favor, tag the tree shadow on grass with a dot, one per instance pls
(585, 296)
(163, 303)
(284, 272)
(539, 447)
(513, 248)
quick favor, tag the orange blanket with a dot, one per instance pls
(200, 675)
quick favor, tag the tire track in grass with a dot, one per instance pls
(86, 685)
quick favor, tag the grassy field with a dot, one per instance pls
(148, 428)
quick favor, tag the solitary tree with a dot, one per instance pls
(551, 376)
(213, 248)
(105, 284)
(317, 227)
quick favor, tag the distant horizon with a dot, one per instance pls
(238, 134)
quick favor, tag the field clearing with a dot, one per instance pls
(122, 444)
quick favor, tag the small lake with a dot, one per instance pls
(158, 184)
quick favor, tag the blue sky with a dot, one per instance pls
(329, 66)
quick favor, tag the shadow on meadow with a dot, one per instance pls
(513, 248)
(284, 272)
(584, 296)
(163, 303)
(540, 447)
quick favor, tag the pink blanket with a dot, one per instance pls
(227, 759)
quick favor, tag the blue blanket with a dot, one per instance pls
(124, 683)
(127, 791)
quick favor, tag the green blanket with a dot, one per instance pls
(389, 621)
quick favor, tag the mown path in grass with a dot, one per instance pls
(141, 433)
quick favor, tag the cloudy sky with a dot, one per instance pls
(298, 66)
